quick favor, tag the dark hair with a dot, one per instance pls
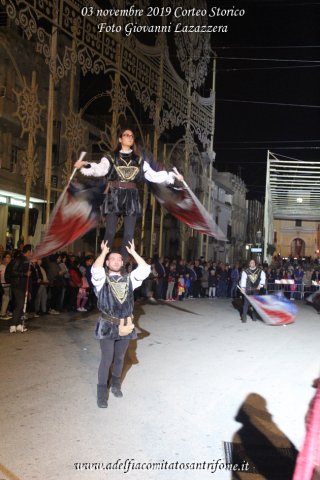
(113, 251)
(135, 147)
(27, 248)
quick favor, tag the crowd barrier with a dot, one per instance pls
(293, 289)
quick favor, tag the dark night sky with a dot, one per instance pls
(245, 131)
(276, 31)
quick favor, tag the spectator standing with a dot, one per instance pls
(204, 281)
(181, 287)
(234, 277)
(161, 279)
(6, 258)
(171, 282)
(75, 283)
(212, 282)
(42, 293)
(56, 283)
(82, 296)
(20, 275)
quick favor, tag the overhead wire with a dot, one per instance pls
(267, 103)
(292, 67)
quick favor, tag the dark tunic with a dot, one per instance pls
(124, 167)
(253, 280)
(109, 304)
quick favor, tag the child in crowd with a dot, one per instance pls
(82, 296)
(171, 282)
(212, 282)
(181, 287)
(187, 285)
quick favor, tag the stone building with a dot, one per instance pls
(231, 215)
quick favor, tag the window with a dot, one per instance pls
(298, 223)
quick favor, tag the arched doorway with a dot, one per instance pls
(298, 247)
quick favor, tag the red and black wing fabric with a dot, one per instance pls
(76, 212)
(184, 205)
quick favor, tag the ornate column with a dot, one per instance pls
(74, 130)
(29, 114)
(193, 52)
(156, 135)
(144, 208)
(162, 212)
(50, 111)
(211, 152)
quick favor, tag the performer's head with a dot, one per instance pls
(126, 140)
(27, 250)
(252, 264)
(114, 262)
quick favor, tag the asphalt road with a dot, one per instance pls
(195, 378)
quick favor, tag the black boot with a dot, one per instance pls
(102, 396)
(116, 387)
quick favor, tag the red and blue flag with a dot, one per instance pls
(274, 309)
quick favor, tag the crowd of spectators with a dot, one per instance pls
(58, 283)
(62, 282)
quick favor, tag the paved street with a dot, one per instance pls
(194, 368)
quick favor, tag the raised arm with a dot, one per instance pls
(102, 257)
(143, 269)
(132, 250)
(98, 273)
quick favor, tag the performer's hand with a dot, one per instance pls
(104, 247)
(179, 177)
(79, 164)
(131, 247)
(125, 329)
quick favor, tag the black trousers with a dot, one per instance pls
(111, 351)
(246, 301)
(19, 294)
(129, 223)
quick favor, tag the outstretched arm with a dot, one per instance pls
(160, 177)
(93, 169)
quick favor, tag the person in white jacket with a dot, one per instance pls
(124, 170)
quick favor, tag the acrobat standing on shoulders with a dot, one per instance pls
(124, 169)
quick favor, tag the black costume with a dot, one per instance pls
(123, 171)
(115, 302)
(252, 280)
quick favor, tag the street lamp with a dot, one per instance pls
(259, 238)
